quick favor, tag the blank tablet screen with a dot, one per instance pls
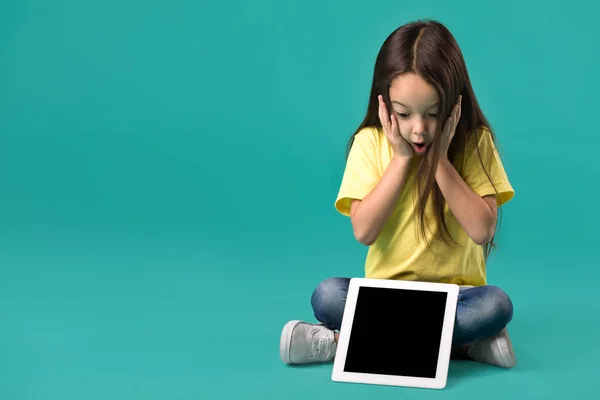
(396, 332)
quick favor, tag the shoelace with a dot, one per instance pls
(318, 347)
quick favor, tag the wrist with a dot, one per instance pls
(443, 163)
(402, 158)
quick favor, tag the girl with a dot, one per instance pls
(422, 187)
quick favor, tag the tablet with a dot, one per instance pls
(396, 333)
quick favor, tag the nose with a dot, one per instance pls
(418, 126)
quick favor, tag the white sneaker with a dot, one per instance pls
(303, 343)
(497, 350)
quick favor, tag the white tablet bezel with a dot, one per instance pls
(439, 382)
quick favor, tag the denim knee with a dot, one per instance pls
(482, 312)
(328, 301)
(501, 304)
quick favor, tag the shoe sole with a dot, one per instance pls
(506, 348)
(284, 342)
(501, 354)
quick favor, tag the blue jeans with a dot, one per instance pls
(482, 311)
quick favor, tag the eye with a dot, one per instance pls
(433, 115)
(402, 115)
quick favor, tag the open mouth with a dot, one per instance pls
(420, 147)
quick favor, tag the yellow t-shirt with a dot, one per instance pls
(398, 252)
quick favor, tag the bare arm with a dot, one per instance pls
(369, 215)
(475, 214)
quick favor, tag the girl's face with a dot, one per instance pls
(415, 103)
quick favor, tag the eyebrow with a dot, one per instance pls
(403, 105)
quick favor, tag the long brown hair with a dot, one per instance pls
(428, 49)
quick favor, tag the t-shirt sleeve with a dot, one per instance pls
(475, 175)
(361, 174)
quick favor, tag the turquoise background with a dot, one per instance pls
(167, 178)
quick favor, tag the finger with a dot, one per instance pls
(394, 126)
(455, 116)
(448, 127)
